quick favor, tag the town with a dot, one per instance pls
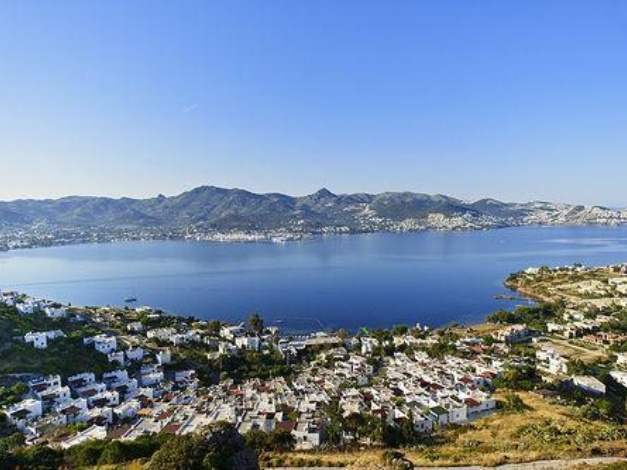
(146, 395)
(136, 372)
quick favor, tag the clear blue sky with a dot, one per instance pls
(516, 100)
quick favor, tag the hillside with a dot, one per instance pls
(209, 209)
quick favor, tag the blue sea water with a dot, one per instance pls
(374, 280)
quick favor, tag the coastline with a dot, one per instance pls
(263, 236)
(528, 293)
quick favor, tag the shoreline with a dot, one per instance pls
(281, 237)
(528, 293)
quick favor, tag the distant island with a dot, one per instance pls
(218, 214)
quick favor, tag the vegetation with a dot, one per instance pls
(64, 356)
(535, 316)
(512, 403)
(251, 364)
(221, 447)
(522, 377)
(277, 440)
(13, 394)
(256, 323)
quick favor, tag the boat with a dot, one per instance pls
(129, 300)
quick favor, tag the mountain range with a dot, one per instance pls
(213, 209)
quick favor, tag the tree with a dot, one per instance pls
(517, 378)
(281, 440)
(257, 440)
(181, 453)
(219, 447)
(503, 316)
(84, 455)
(399, 330)
(38, 458)
(512, 403)
(256, 323)
(114, 452)
(353, 424)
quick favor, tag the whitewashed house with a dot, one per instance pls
(78, 381)
(73, 410)
(128, 409)
(551, 361)
(135, 354)
(162, 334)
(135, 327)
(105, 344)
(232, 332)
(368, 344)
(45, 383)
(164, 357)
(252, 343)
(55, 311)
(117, 356)
(39, 339)
(23, 413)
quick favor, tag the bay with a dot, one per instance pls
(373, 280)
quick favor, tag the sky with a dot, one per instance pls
(519, 100)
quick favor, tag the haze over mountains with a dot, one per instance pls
(209, 208)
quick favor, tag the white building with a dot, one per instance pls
(39, 340)
(23, 413)
(135, 354)
(73, 410)
(54, 396)
(248, 342)
(514, 334)
(115, 376)
(127, 409)
(117, 356)
(135, 327)
(551, 361)
(45, 383)
(100, 400)
(54, 311)
(151, 375)
(105, 344)
(368, 344)
(163, 334)
(589, 384)
(28, 307)
(164, 357)
(232, 332)
(185, 376)
(79, 381)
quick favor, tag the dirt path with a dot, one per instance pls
(539, 465)
(578, 352)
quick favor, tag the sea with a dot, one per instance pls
(323, 283)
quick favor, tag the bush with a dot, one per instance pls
(512, 403)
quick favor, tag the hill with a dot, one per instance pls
(209, 209)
